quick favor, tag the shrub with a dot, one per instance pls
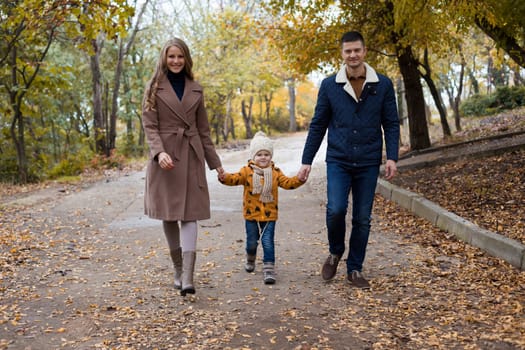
(67, 167)
(509, 97)
(115, 160)
(504, 98)
(476, 105)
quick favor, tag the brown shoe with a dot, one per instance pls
(330, 267)
(357, 280)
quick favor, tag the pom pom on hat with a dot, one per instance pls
(260, 142)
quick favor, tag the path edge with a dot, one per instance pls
(492, 243)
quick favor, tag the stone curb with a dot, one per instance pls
(494, 244)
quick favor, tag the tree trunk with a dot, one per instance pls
(473, 82)
(18, 139)
(408, 65)
(232, 125)
(16, 98)
(457, 116)
(401, 110)
(214, 126)
(114, 100)
(436, 95)
(142, 135)
(419, 138)
(130, 139)
(511, 46)
(490, 68)
(517, 79)
(98, 114)
(442, 110)
(291, 105)
(105, 101)
(457, 99)
(226, 121)
(247, 116)
(268, 103)
(122, 52)
(18, 121)
(259, 123)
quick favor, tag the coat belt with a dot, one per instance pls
(189, 133)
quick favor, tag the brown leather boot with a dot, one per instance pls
(188, 266)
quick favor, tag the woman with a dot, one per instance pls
(178, 135)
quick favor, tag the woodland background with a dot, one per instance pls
(72, 72)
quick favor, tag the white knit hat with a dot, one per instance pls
(260, 142)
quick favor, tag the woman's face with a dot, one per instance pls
(175, 59)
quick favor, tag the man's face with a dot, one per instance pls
(353, 53)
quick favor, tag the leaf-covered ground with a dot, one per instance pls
(71, 281)
(468, 299)
(488, 191)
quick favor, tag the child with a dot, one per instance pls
(261, 179)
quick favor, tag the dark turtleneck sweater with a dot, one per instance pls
(177, 82)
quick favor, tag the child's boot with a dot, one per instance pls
(250, 263)
(269, 273)
(176, 257)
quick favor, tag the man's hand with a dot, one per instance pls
(304, 172)
(390, 169)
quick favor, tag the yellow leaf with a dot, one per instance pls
(519, 308)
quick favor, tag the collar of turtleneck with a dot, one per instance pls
(177, 81)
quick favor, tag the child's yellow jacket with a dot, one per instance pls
(253, 208)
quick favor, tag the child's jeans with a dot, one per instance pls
(265, 231)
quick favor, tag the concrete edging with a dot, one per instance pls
(494, 244)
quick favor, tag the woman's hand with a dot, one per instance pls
(221, 174)
(165, 161)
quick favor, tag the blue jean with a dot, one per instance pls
(362, 182)
(265, 230)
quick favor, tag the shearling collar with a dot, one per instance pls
(341, 77)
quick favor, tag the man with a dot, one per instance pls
(356, 105)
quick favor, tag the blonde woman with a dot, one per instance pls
(178, 134)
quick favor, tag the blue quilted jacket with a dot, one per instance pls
(355, 126)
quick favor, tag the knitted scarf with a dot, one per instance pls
(266, 189)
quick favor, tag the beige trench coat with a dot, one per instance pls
(181, 129)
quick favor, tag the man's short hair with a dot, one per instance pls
(352, 36)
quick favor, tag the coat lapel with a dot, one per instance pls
(166, 93)
(192, 94)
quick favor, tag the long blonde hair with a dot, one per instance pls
(162, 69)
